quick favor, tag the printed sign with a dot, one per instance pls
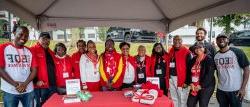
(72, 86)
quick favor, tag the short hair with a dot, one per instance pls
(123, 44)
(109, 40)
(60, 45)
(141, 46)
(19, 28)
(177, 36)
(79, 41)
(90, 41)
(45, 34)
(204, 30)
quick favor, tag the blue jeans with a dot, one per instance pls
(12, 100)
(43, 94)
(228, 99)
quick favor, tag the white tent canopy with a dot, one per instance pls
(154, 15)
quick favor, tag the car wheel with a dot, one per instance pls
(127, 38)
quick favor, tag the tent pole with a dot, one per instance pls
(166, 35)
(10, 27)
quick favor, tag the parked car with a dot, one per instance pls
(240, 38)
(130, 35)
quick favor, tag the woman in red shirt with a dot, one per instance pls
(63, 67)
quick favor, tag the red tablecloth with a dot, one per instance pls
(107, 99)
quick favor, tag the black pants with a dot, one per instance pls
(163, 85)
(43, 94)
(203, 97)
(227, 99)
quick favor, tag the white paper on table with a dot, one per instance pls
(72, 86)
(154, 80)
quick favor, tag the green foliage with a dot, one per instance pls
(102, 32)
(227, 21)
(23, 23)
(1, 26)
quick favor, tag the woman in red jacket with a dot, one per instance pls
(63, 67)
(159, 66)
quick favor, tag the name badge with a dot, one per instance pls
(65, 75)
(140, 75)
(158, 71)
(195, 79)
(172, 65)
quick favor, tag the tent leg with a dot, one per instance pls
(167, 42)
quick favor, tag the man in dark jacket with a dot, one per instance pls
(45, 83)
(200, 38)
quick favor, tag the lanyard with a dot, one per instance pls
(62, 61)
(20, 54)
(94, 61)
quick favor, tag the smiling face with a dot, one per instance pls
(44, 41)
(91, 48)
(125, 50)
(222, 42)
(200, 35)
(199, 51)
(158, 49)
(22, 36)
(141, 51)
(60, 51)
(109, 46)
(81, 47)
(177, 42)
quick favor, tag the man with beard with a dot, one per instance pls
(233, 73)
(200, 38)
(111, 68)
(18, 68)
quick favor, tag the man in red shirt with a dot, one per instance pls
(81, 46)
(45, 83)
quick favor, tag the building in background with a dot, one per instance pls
(88, 33)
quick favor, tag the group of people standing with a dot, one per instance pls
(185, 75)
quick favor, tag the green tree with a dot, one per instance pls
(102, 32)
(23, 23)
(199, 23)
(228, 21)
(2, 22)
